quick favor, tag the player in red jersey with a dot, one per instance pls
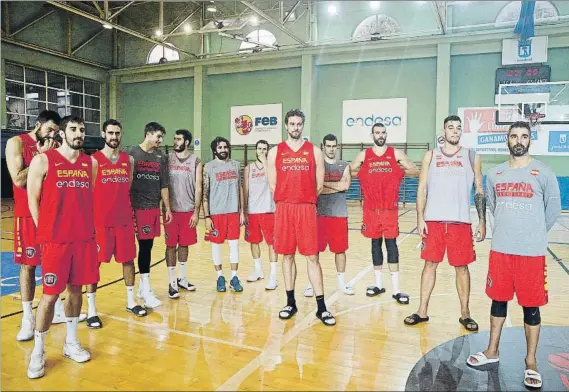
(296, 176)
(19, 153)
(114, 226)
(380, 175)
(60, 194)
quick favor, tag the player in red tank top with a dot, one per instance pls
(380, 175)
(114, 226)
(296, 175)
(60, 194)
(19, 153)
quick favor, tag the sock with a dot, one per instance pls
(172, 276)
(59, 307)
(233, 273)
(290, 301)
(378, 281)
(143, 281)
(258, 266)
(182, 271)
(341, 282)
(92, 310)
(395, 282)
(72, 330)
(39, 342)
(27, 306)
(320, 303)
(130, 297)
(274, 268)
(219, 273)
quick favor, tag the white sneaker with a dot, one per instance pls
(27, 331)
(76, 352)
(255, 276)
(309, 292)
(348, 290)
(150, 300)
(36, 368)
(272, 284)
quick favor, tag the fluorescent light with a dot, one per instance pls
(332, 9)
(158, 33)
(374, 5)
(211, 8)
(420, 2)
(254, 20)
(107, 26)
(187, 28)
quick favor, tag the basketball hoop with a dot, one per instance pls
(534, 118)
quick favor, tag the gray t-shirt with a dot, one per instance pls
(333, 204)
(182, 182)
(224, 183)
(260, 197)
(150, 177)
(525, 203)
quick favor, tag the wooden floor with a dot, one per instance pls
(235, 341)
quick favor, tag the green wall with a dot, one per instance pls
(386, 79)
(472, 80)
(168, 102)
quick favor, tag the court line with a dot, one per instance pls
(233, 382)
(175, 331)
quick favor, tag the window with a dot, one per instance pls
(258, 40)
(159, 52)
(30, 90)
(379, 24)
(510, 14)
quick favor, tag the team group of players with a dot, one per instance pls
(77, 211)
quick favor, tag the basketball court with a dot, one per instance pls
(207, 340)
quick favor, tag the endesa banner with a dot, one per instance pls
(255, 122)
(359, 115)
(480, 132)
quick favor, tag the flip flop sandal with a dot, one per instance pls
(137, 311)
(402, 298)
(287, 312)
(416, 319)
(467, 324)
(94, 322)
(372, 291)
(532, 375)
(481, 359)
(326, 318)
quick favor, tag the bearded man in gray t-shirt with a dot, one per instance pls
(223, 209)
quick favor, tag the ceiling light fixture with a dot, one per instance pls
(187, 28)
(107, 26)
(374, 5)
(332, 9)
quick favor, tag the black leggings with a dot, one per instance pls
(144, 255)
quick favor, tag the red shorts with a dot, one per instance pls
(26, 251)
(455, 238)
(147, 223)
(259, 226)
(381, 223)
(332, 232)
(73, 263)
(296, 226)
(225, 227)
(179, 232)
(118, 241)
(524, 275)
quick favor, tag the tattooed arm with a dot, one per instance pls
(205, 199)
(479, 199)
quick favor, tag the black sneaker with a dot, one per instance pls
(172, 292)
(183, 283)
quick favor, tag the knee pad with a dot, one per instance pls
(532, 316)
(392, 250)
(499, 309)
(376, 252)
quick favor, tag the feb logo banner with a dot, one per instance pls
(252, 123)
(359, 115)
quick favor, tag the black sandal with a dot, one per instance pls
(287, 312)
(327, 318)
(416, 319)
(94, 322)
(138, 311)
(402, 298)
(372, 291)
(469, 324)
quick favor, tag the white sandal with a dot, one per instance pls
(532, 375)
(481, 359)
